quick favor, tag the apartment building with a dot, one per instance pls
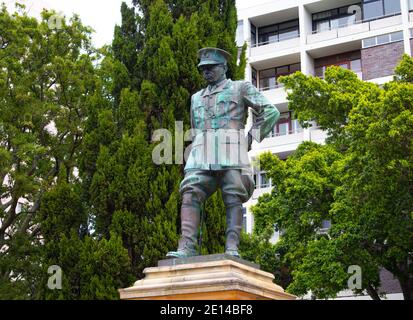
(284, 36)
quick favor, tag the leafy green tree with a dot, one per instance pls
(329, 101)
(377, 177)
(76, 143)
(49, 83)
(45, 79)
(360, 181)
(297, 207)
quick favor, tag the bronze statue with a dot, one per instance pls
(219, 154)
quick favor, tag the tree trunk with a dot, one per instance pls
(373, 293)
(406, 283)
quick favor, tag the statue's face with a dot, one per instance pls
(213, 72)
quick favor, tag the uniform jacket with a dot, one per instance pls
(218, 117)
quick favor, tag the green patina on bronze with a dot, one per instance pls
(223, 109)
(213, 56)
(219, 154)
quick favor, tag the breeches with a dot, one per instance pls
(198, 185)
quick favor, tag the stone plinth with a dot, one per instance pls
(214, 277)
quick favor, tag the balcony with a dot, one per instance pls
(317, 135)
(353, 29)
(268, 80)
(287, 143)
(385, 22)
(276, 95)
(265, 48)
(278, 144)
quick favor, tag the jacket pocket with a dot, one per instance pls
(229, 108)
(199, 115)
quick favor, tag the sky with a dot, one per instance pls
(101, 15)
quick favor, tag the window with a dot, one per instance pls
(240, 34)
(264, 180)
(383, 39)
(278, 32)
(391, 7)
(397, 36)
(283, 126)
(268, 78)
(322, 26)
(295, 67)
(287, 34)
(288, 25)
(254, 77)
(295, 126)
(253, 35)
(369, 42)
(353, 65)
(324, 14)
(288, 30)
(286, 125)
(373, 9)
(267, 35)
(411, 5)
(333, 19)
(283, 70)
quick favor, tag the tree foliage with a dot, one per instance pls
(166, 36)
(361, 181)
(76, 128)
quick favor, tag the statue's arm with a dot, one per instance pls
(265, 113)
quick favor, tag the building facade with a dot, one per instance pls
(366, 36)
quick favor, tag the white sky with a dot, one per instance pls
(101, 15)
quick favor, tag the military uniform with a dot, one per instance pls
(218, 116)
(219, 154)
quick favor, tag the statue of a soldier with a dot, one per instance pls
(219, 154)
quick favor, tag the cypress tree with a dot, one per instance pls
(120, 213)
(150, 73)
(175, 31)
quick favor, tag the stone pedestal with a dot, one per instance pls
(213, 277)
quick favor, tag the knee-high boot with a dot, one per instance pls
(190, 219)
(233, 233)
